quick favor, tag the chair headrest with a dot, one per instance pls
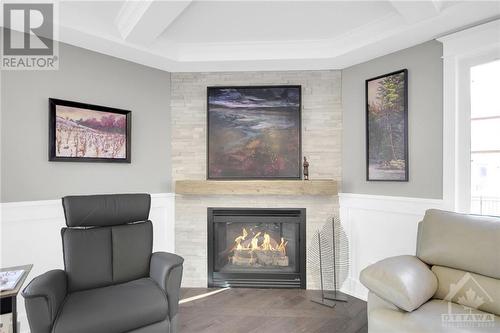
(105, 210)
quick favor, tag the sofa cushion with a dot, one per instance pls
(474, 290)
(376, 302)
(114, 309)
(466, 242)
(106, 209)
(87, 257)
(405, 281)
(132, 247)
(433, 316)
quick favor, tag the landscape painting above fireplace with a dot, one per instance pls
(254, 132)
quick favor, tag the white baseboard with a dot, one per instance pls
(30, 233)
(379, 227)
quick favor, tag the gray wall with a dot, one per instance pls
(90, 77)
(425, 113)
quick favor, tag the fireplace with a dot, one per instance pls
(262, 248)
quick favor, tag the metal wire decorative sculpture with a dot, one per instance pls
(329, 260)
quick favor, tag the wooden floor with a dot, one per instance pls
(270, 311)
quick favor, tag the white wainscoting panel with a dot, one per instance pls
(30, 233)
(379, 227)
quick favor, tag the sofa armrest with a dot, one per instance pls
(166, 270)
(43, 298)
(404, 281)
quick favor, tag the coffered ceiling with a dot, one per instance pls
(261, 35)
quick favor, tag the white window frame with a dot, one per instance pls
(461, 51)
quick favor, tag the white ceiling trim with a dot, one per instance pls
(299, 49)
(129, 15)
(115, 47)
(473, 40)
(143, 21)
(416, 11)
(390, 33)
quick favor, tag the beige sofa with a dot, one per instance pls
(451, 285)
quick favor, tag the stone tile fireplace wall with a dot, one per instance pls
(321, 143)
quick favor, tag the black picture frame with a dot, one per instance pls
(404, 134)
(54, 103)
(299, 157)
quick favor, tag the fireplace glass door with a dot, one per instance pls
(255, 245)
(259, 246)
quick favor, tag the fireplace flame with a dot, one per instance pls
(258, 250)
(255, 244)
(241, 238)
(282, 246)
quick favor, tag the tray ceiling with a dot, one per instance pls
(261, 35)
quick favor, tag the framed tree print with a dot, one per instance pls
(81, 132)
(387, 127)
(254, 132)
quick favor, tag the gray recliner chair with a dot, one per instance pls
(112, 282)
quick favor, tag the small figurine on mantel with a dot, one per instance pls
(306, 169)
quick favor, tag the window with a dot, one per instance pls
(485, 138)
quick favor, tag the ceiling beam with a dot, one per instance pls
(416, 11)
(143, 21)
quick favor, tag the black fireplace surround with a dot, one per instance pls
(256, 247)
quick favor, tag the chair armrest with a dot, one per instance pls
(166, 270)
(404, 281)
(43, 298)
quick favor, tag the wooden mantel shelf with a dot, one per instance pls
(256, 187)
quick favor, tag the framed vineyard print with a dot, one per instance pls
(254, 132)
(387, 127)
(81, 132)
